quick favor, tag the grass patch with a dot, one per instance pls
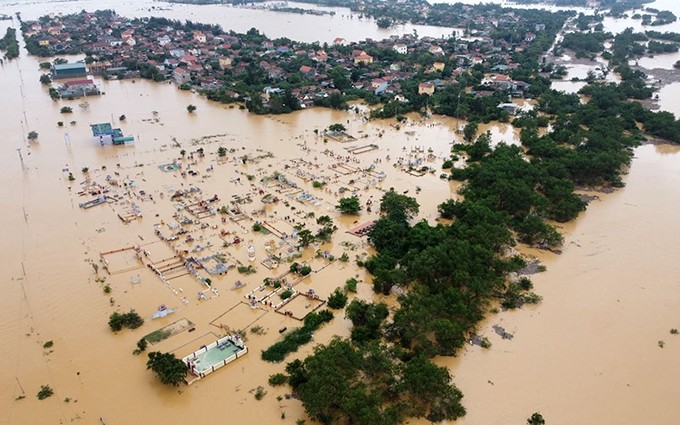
(157, 336)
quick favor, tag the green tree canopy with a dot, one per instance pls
(169, 369)
(349, 205)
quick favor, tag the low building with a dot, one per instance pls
(181, 75)
(225, 61)
(401, 48)
(511, 108)
(426, 89)
(339, 41)
(68, 70)
(78, 88)
(363, 58)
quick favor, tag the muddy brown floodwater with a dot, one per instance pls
(589, 353)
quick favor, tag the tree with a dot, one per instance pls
(536, 419)
(168, 368)
(66, 110)
(118, 321)
(121, 118)
(336, 127)
(470, 131)
(32, 135)
(45, 79)
(305, 238)
(338, 299)
(447, 209)
(191, 108)
(429, 390)
(349, 205)
(392, 202)
(384, 22)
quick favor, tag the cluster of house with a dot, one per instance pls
(213, 60)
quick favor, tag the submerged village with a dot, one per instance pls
(332, 266)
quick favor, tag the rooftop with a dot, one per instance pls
(65, 66)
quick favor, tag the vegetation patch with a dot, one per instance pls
(167, 331)
(45, 392)
(118, 321)
(169, 369)
(297, 337)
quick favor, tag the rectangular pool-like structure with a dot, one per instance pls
(213, 356)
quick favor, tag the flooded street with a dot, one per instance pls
(589, 353)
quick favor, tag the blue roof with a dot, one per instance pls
(67, 66)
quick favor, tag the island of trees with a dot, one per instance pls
(9, 44)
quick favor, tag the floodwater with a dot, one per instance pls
(668, 98)
(588, 354)
(307, 28)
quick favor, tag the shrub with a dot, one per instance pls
(118, 321)
(260, 393)
(351, 285)
(278, 379)
(66, 110)
(249, 269)
(286, 294)
(142, 344)
(338, 299)
(45, 391)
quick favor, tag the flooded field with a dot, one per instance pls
(589, 353)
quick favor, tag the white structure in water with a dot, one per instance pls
(213, 356)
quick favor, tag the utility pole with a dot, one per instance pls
(21, 159)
